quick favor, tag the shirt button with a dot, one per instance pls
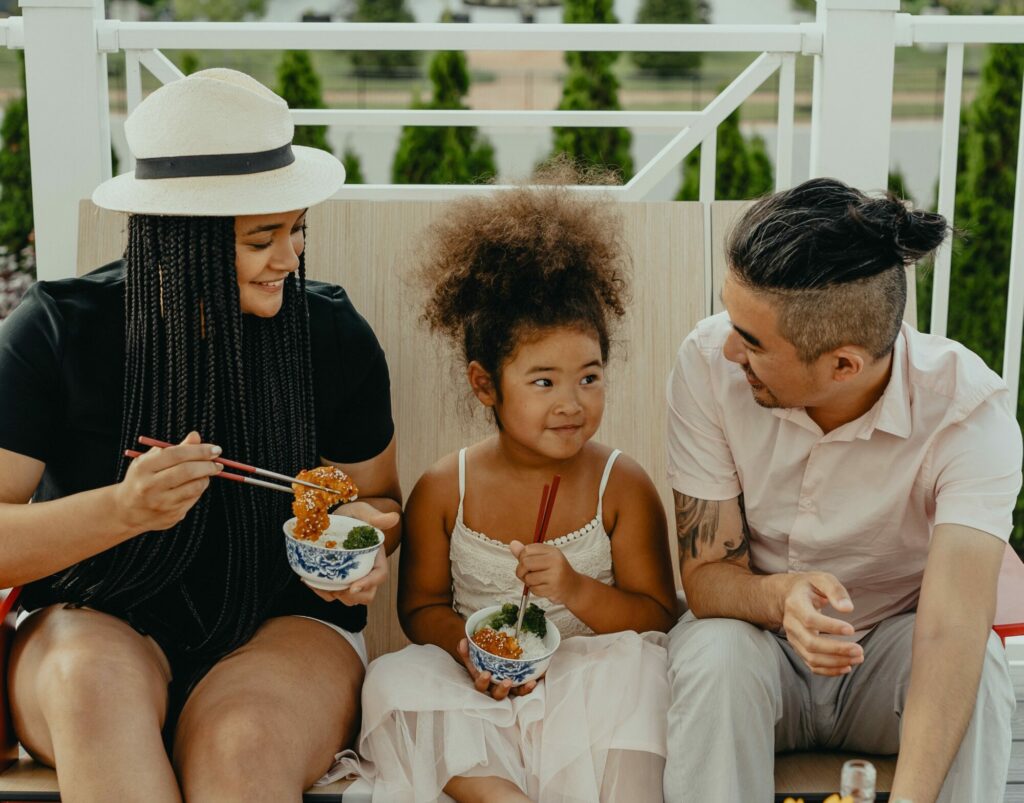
(806, 503)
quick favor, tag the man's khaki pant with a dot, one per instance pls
(740, 694)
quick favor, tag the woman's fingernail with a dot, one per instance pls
(215, 450)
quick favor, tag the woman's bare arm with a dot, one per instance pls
(41, 538)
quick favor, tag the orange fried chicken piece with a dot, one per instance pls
(311, 505)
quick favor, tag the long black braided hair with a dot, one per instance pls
(243, 382)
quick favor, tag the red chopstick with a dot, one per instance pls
(547, 512)
(547, 504)
(538, 528)
(247, 468)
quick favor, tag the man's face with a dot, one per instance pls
(777, 375)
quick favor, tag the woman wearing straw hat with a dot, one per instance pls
(166, 650)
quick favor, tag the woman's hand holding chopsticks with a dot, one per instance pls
(162, 485)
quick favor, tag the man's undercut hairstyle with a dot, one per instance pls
(194, 361)
(832, 261)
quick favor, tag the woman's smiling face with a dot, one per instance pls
(267, 249)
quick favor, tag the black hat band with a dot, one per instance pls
(220, 164)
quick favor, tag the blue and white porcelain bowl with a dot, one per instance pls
(330, 568)
(518, 670)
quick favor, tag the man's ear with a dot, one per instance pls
(848, 362)
(482, 385)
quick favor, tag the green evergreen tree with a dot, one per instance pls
(591, 85)
(924, 271)
(742, 167)
(217, 10)
(15, 174)
(299, 84)
(353, 167)
(190, 62)
(383, 63)
(984, 211)
(897, 184)
(443, 155)
(670, 12)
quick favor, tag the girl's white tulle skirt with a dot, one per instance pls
(592, 730)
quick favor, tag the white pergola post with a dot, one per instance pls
(852, 107)
(68, 117)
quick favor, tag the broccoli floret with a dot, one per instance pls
(360, 537)
(506, 616)
(534, 621)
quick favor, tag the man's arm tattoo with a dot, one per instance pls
(697, 526)
(734, 551)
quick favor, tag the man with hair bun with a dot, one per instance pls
(843, 486)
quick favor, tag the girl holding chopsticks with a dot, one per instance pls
(167, 650)
(527, 284)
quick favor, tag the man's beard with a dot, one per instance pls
(764, 397)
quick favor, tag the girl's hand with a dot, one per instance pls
(545, 571)
(162, 485)
(363, 590)
(482, 680)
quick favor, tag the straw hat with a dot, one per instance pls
(217, 143)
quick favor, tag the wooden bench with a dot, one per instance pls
(368, 248)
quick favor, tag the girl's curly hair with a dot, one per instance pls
(505, 268)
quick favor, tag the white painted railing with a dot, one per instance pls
(780, 44)
(142, 43)
(852, 42)
(955, 32)
(12, 33)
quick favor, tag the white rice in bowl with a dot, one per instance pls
(532, 644)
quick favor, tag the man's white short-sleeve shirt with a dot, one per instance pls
(940, 446)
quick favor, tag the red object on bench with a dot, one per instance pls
(1010, 603)
(8, 741)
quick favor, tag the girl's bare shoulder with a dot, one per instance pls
(629, 487)
(437, 490)
(625, 471)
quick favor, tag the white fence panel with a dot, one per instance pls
(947, 183)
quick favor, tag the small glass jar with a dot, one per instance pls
(858, 781)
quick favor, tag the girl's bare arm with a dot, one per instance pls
(424, 574)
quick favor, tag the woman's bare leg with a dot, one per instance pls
(89, 696)
(266, 721)
(488, 789)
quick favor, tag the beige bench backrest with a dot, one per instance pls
(369, 248)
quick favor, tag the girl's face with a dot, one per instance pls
(552, 392)
(267, 249)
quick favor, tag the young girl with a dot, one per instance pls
(527, 283)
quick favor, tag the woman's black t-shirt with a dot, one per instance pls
(62, 361)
